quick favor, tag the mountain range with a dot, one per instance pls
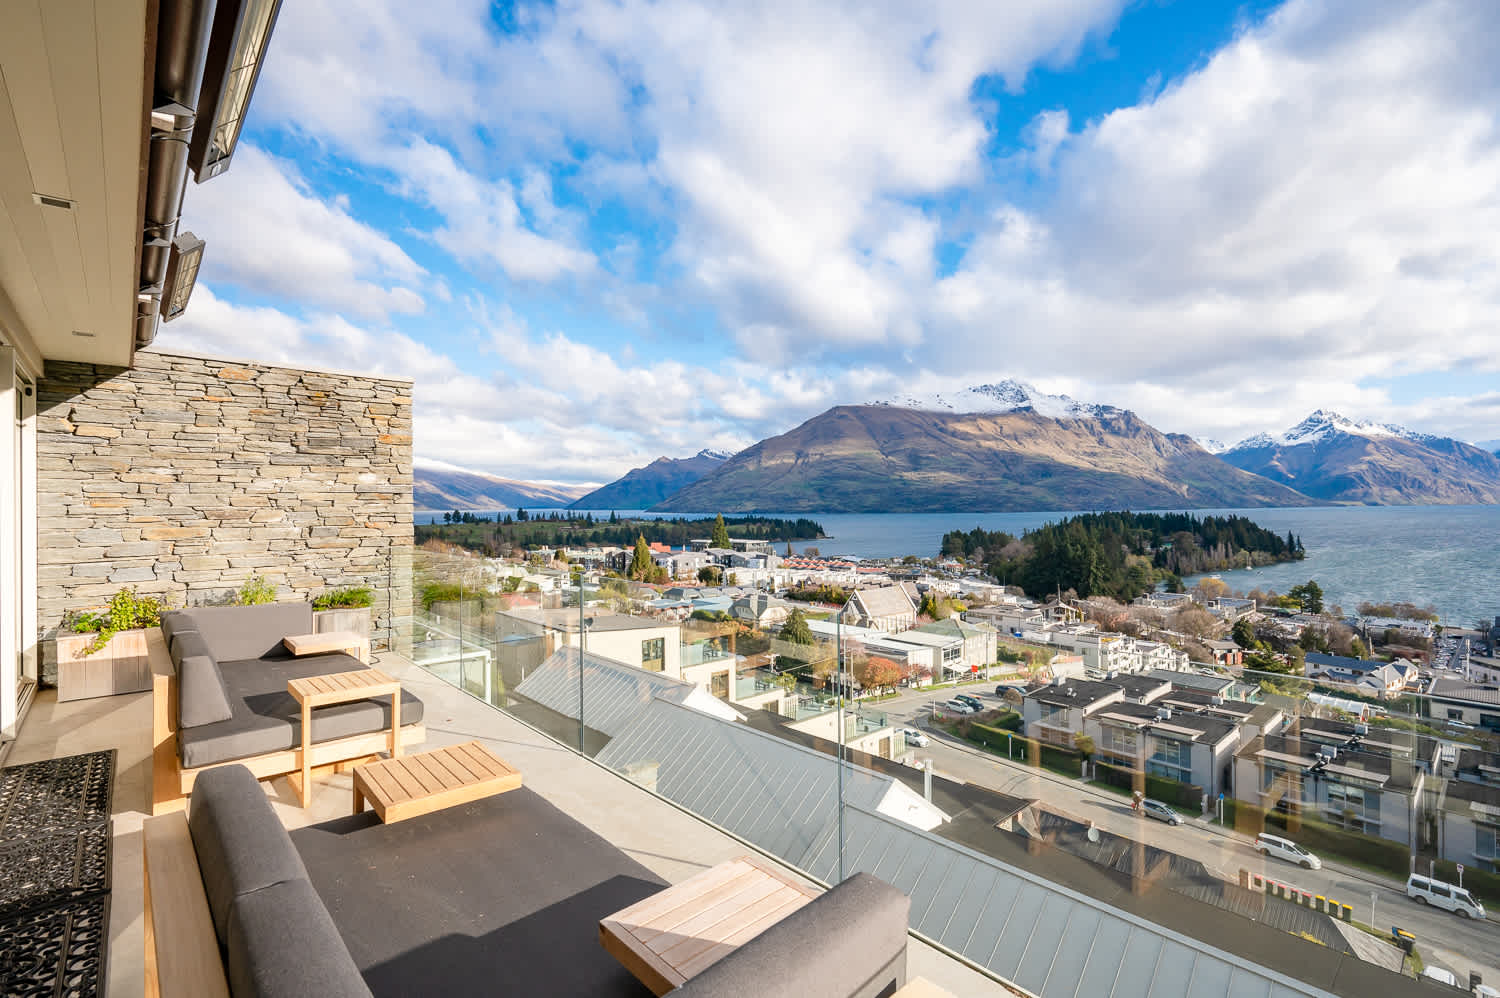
(1335, 459)
(1010, 447)
(438, 485)
(642, 488)
(994, 447)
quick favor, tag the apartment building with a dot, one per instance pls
(1362, 779)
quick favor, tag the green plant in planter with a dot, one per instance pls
(353, 598)
(256, 590)
(126, 611)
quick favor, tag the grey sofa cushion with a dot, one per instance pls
(235, 633)
(849, 943)
(174, 622)
(267, 719)
(201, 697)
(283, 944)
(240, 842)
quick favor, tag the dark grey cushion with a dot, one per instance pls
(283, 944)
(267, 719)
(234, 633)
(174, 622)
(849, 943)
(201, 697)
(240, 842)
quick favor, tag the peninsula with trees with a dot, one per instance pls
(1120, 554)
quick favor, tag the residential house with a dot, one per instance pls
(980, 642)
(642, 642)
(884, 608)
(1369, 675)
(1225, 652)
(760, 610)
(1166, 741)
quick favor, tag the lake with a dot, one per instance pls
(1447, 556)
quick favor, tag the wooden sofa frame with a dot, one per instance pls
(182, 952)
(171, 783)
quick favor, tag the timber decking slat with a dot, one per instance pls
(717, 951)
(410, 785)
(476, 756)
(644, 915)
(712, 922)
(692, 908)
(667, 938)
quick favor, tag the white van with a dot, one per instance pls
(1424, 890)
(1275, 845)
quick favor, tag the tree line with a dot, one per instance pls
(565, 528)
(1120, 554)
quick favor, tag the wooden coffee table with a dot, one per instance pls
(352, 642)
(671, 936)
(429, 781)
(340, 687)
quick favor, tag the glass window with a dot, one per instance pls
(654, 654)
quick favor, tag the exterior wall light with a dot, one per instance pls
(182, 275)
(236, 51)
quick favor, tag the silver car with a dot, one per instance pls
(1156, 809)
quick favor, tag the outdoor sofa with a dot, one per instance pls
(499, 896)
(219, 695)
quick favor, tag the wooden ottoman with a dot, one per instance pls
(415, 784)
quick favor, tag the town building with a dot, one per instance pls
(884, 608)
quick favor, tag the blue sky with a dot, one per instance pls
(599, 231)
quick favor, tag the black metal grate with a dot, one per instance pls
(55, 849)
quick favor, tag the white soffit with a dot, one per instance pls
(72, 113)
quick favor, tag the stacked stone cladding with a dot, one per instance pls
(184, 476)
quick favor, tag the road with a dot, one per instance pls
(1465, 945)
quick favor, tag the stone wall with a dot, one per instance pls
(185, 476)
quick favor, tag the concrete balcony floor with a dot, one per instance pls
(663, 838)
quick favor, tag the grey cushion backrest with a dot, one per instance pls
(201, 696)
(174, 622)
(240, 843)
(283, 944)
(235, 633)
(849, 943)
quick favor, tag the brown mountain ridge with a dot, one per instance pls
(885, 458)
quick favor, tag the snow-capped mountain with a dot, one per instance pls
(716, 455)
(642, 488)
(1211, 445)
(1325, 424)
(1003, 396)
(1331, 457)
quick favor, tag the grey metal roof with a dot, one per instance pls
(615, 694)
(1045, 938)
(1049, 940)
(775, 793)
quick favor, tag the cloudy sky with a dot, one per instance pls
(599, 231)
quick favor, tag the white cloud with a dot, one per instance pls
(1311, 209)
(1314, 207)
(270, 234)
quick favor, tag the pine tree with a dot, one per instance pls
(720, 537)
(641, 564)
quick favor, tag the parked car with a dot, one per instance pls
(1156, 809)
(974, 702)
(956, 706)
(1425, 890)
(915, 737)
(1275, 845)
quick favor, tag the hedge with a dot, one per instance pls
(1477, 882)
(1025, 750)
(1187, 795)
